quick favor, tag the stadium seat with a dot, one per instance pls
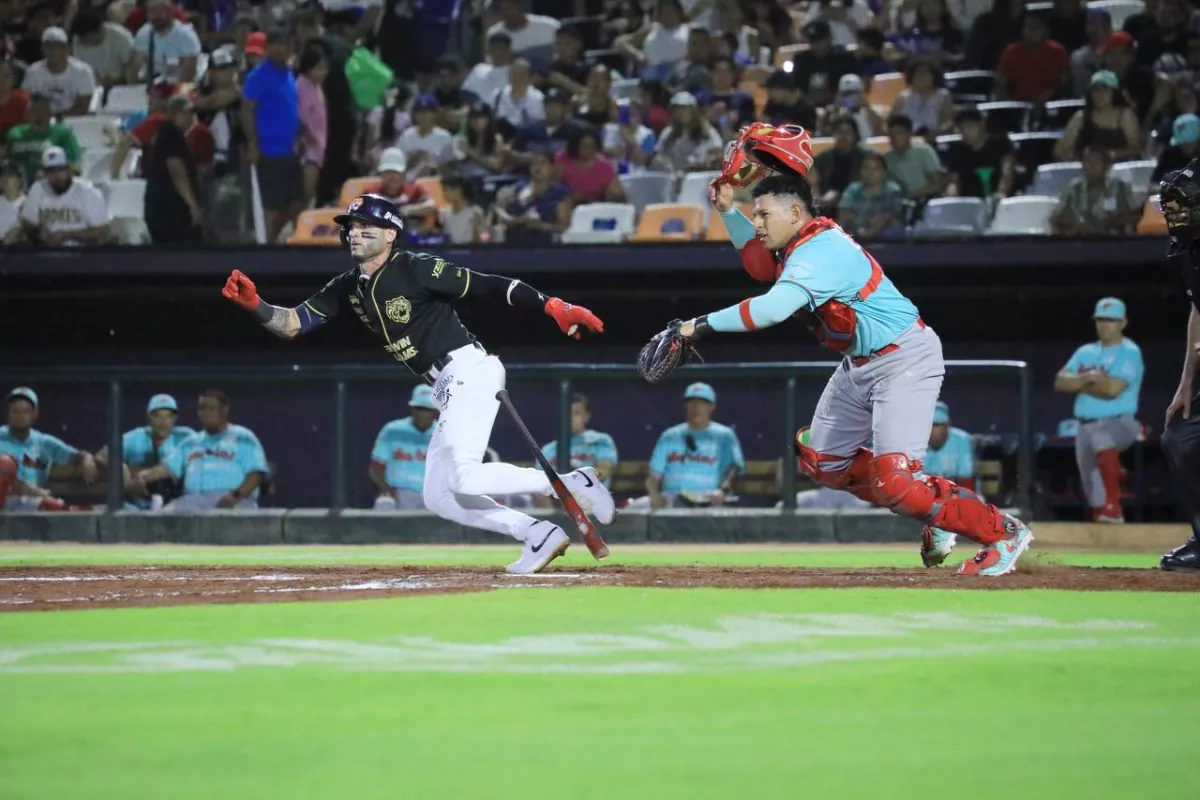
(97, 102)
(1006, 116)
(613, 59)
(1032, 150)
(316, 227)
(624, 89)
(126, 198)
(820, 144)
(880, 144)
(97, 162)
(1119, 10)
(886, 88)
(94, 132)
(1059, 112)
(433, 188)
(1023, 216)
(126, 100)
(971, 86)
(787, 53)
(693, 190)
(1152, 222)
(952, 216)
(943, 144)
(356, 186)
(1136, 174)
(647, 188)
(1051, 179)
(600, 223)
(669, 222)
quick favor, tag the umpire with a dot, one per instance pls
(1180, 199)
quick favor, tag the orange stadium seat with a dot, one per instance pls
(880, 144)
(886, 88)
(433, 188)
(820, 144)
(669, 222)
(1152, 222)
(716, 229)
(356, 186)
(316, 227)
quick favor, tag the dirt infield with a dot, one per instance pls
(50, 588)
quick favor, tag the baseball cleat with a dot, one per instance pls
(593, 496)
(1110, 514)
(541, 547)
(1185, 558)
(1000, 558)
(936, 545)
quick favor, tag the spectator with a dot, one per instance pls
(397, 466)
(453, 100)
(35, 453)
(689, 143)
(173, 211)
(913, 165)
(1068, 24)
(835, 168)
(816, 72)
(772, 21)
(38, 18)
(951, 451)
(570, 68)
(254, 50)
(691, 74)
(484, 149)
(697, 461)
(589, 176)
(310, 100)
(1167, 35)
(588, 448)
(176, 45)
(1106, 378)
(596, 105)
(655, 48)
(1182, 100)
(146, 446)
(994, 31)
(200, 139)
(461, 220)
(14, 103)
(1095, 204)
(652, 100)
(1034, 69)
(872, 206)
(852, 102)
(845, 19)
(486, 79)
(1136, 82)
(786, 102)
(549, 135)
(730, 108)
(341, 134)
(138, 15)
(66, 80)
(1185, 145)
(218, 104)
(628, 142)
(537, 209)
(271, 119)
(410, 199)
(527, 31)
(926, 102)
(732, 22)
(385, 123)
(26, 143)
(61, 210)
(982, 164)
(221, 466)
(12, 197)
(520, 103)
(1106, 121)
(1088, 59)
(427, 146)
(933, 36)
(869, 55)
(106, 47)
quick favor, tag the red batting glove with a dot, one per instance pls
(570, 317)
(241, 290)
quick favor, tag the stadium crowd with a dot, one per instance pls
(585, 120)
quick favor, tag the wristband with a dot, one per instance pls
(262, 312)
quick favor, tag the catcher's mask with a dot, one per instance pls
(783, 148)
(1179, 199)
(371, 209)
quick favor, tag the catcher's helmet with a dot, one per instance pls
(783, 148)
(1183, 187)
(372, 209)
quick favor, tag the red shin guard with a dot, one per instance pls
(934, 500)
(1109, 464)
(855, 478)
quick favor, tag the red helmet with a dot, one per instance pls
(783, 148)
(738, 169)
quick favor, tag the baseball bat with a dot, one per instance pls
(591, 537)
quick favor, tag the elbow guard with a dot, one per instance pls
(759, 262)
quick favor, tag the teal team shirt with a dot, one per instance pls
(955, 459)
(695, 469)
(138, 445)
(401, 449)
(1122, 361)
(216, 462)
(35, 455)
(587, 450)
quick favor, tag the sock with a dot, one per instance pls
(1109, 464)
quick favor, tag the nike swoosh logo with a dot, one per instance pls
(539, 545)
(588, 478)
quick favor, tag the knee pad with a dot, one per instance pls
(894, 485)
(810, 463)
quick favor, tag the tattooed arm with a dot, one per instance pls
(286, 323)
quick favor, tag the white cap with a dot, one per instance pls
(393, 160)
(54, 157)
(683, 99)
(850, 83)
(54, 34)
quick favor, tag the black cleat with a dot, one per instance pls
(1185, 558)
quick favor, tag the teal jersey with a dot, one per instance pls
(216, 462)
(35, 455)
(138, 445)
(954, 459)
(400, 448)
(587, 450)
(695, 461)
(1122, 361)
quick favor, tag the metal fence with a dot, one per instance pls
(340, 377)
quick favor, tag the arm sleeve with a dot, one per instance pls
(1128, 367)
(30, 212)
(71, 145)
(785, 298)
(735, 453)
(965, 464)
(58, 451)
(174, 460)
(741, 230)
(191, 42)
(141, 40)
(606, 449)
(131, 448)
(326, 303)
(756, 259)
(380, 452)
(252, 457)
(252, 88)
(658, 459)
(1072, 364)
(95, 210)
(442, 277)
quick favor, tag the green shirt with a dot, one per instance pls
(25, 145)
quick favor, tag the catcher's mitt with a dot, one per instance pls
(666, 351)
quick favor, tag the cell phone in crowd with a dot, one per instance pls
(623, 113)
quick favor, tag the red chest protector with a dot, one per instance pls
(833, 323)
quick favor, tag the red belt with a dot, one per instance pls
(858, 361)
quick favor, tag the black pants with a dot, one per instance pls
(1181, 446)
(169, 226)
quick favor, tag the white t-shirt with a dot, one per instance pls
(10, 212)
(402, 120)
(179, 42)
(538, 32)
(460, 226)
(439, 144)
(530, 108)
(845, 33)
(484, 80)
(77, 209)
(62, 88)
(111, 56)
(664, 45)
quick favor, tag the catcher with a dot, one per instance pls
(888, 383)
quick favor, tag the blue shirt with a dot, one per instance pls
(35, 455)
(401, 449)
(546, 204)
(955, 458)
(276, 112)
(699, 469)
(216, 462)
(1122, 361)
(137, 445)
(587, 450)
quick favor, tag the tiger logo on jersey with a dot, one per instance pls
(398, 309)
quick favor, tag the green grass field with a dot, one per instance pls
(602, 692)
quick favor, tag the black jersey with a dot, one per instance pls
(408, 303)
(1186, 259)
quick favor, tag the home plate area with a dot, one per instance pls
(46, 588)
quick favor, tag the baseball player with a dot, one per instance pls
(398, 458)
(887, 385)
(1106, 378)
(695, 462)
(221, 466)
(148, 445)
(407, 300)
(589, 448)
(951, 451)
(26, 455)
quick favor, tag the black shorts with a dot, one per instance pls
(280, 182)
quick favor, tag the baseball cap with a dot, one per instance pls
(422, 397)
(1185, 130)
(54, 158)
(54, 34)
(256, 44)
(161, 402)
(163, 88)
(426, 102)
(1109, 308)
(393, 160)
(25, 393)
(1105, 77)
(817, 30)
(680, 99)
(221, 57)
(556, 95)
(700, 391)
(1119, 39)
(941, 414)
(850, 83)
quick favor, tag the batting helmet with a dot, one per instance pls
(371, 209)
(1182, 187)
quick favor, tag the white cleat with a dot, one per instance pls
(594, 498)
(546, 542)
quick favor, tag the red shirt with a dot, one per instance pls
(410, 195)
(1031, 73)
(199, 138)
(13, 112)
(137, 17)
